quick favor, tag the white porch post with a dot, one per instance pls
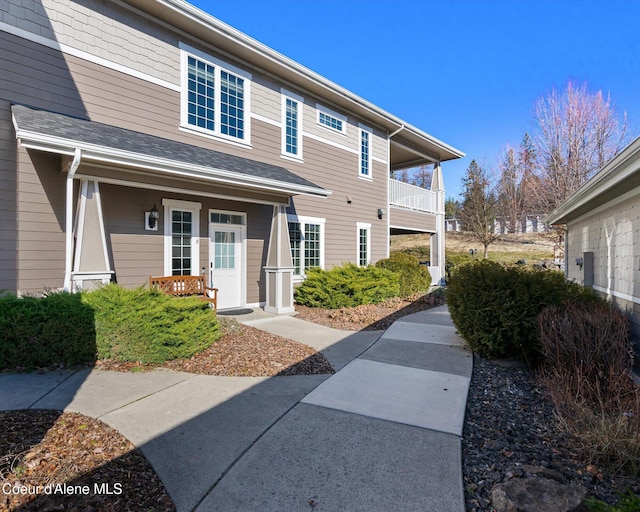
(279, 267)
(68, 263)
(437, 268)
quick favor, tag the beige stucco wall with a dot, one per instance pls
(612, 233)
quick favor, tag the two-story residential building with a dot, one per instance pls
(146, 137)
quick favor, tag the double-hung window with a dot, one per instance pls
(306, 235)
(364, 244)
(291, 124)
(215, 96)
(366, 136)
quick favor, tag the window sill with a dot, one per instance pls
(292, 158)
(213, 136)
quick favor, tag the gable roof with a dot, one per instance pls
(619, 176)
(62, 134)
(188, 18)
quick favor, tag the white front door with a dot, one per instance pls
(226, 264)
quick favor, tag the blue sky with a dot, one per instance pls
(465, 71)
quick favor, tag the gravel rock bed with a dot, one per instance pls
(510, 433)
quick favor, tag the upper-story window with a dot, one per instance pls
(332, 120)
(291, 124)
(215, 96)
(365, 152)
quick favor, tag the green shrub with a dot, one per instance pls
(43, 331)
(453, 260)
(148, 326)
(413, 277)
(495, 307)
(346, 286)
(628, 502)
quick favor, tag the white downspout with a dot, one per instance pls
(68, 265)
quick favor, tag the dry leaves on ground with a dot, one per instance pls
(57, 453)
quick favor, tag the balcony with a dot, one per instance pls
(411, 197)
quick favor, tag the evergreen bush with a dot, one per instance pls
(57, 328)
(109, 323)
(495, 306)
(413, 277)
(346, 286)
(149, 326)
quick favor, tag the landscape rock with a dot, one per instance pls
(536, 495)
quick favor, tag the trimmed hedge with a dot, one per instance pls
(413, 277)
(346, 286)
(149, 326)
(55, 329)
(109, 323)
(495, 307)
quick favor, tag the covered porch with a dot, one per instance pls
(137, 205)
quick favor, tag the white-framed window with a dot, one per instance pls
(332, 120)
(366, 140)
(215, 96)
(181, 237)
(363, 243)
(291, 124)
(306, 235)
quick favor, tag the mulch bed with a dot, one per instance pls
(70, 462)
(370, 317)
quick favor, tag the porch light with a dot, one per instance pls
(152, 217)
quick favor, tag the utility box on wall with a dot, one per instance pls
(587, 269)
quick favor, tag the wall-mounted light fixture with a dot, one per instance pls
(151, 219)
(579, 262)
(381, 212)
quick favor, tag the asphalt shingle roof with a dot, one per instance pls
(99, 134)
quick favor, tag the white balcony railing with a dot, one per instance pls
(411, 197)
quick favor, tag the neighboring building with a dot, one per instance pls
(602, 243)
(145, 137)
(528, 224)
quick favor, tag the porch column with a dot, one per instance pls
(437, 268)
(279, 267)
(91, 261)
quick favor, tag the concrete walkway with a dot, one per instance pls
(381, 434)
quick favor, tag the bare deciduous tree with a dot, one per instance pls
(578, 134)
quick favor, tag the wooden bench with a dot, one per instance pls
(184, 286)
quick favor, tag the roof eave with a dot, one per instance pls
(613, 173)
(111, 156)
(192, 20)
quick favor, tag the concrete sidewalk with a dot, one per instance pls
(381, 434)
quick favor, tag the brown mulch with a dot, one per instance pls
(52, 461)
(242, 351)
(370, 317)
(38, 448)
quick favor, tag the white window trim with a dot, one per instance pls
(187, 51)
(285, 95)
(227, 212)
(363, 128)
(303, 220)
(359, 226)
(329, 112)
(175, 204)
